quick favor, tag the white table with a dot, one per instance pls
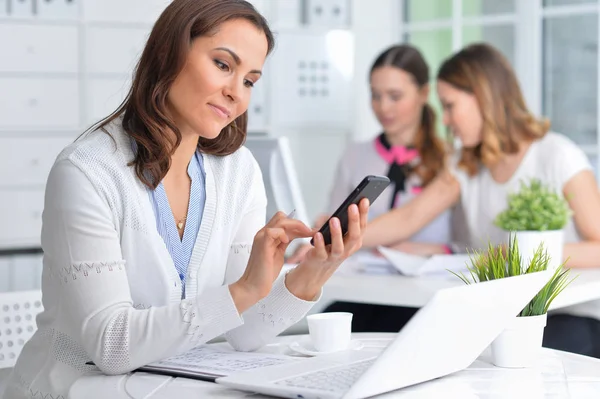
(557, 374)
(398, 290)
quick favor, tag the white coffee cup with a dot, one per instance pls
(330, 332)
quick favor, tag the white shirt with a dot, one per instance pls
(111, 293)
(554, 159)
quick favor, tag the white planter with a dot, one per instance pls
(529, 241)
(519, 344)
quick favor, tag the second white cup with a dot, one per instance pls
(330, 332)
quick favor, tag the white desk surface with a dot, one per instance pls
(557, 375)
(398, 290)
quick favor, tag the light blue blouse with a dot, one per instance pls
(181, 249)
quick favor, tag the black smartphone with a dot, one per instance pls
(370, 187)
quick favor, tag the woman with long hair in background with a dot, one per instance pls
(409, 151)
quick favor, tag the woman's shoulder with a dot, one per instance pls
(358, 146)
(235, 168)
(97, 146)
(554, 142)
(358, 149)
(100, 154)
(242, 160)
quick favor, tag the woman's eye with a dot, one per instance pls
(221, 65)
(396, 98)
(249, 83)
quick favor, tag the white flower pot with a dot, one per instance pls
(529, 241)
(519, 344)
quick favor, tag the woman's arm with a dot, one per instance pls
(584, 199)
(401, 223)
(280, 308)
(90, 287)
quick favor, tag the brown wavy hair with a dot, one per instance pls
(483, 71)
(431, 147)
(144, 110)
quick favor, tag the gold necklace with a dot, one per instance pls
(180, 223)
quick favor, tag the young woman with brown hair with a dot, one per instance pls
(153, 232)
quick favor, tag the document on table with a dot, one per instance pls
(208, 362)
(414, 265)
(368, 263)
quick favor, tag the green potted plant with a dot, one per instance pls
(537, 214)
(518, 345)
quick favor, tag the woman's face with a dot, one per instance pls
(461, 114)
(214, 87)
(396, 99)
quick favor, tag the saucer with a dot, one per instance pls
(305, 347)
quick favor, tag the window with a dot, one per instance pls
(441, 27)
(552, 44)
(570, 70)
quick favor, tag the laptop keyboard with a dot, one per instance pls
(334, 379)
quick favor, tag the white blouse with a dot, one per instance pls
(111, 293)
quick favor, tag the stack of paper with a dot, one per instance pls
(367, 262)
(414, 265)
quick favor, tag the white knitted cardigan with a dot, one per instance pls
(111, 293)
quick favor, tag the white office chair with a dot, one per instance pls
(17, 323)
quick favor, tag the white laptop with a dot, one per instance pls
(445, 336)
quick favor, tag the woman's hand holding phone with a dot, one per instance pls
(321, 261)
(369, 188)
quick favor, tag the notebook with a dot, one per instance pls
(208, 362)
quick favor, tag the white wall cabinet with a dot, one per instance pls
(32, 48)
(32, 166)
(64, 64)
(312, 76)
(258, 107)
(51, 10)
(21, 215)
(58, 9)
(3, 8)
(104, 95)
(20, 273)
(328, 13)
(113, 50)
(21, 8)
(39, 103)
(5, 268)
(127, 11)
